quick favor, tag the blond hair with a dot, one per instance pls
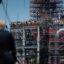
(2, 24)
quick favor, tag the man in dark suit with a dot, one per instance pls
(7, 46)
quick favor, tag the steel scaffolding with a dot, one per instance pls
(25, 47)
(45, 9)
(33, 41)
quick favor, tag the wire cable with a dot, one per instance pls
(5, 10)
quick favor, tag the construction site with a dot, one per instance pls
(41, 39)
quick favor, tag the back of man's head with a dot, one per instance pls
(2, 24)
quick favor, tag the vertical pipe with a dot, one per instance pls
(49, 60)
(23, 45)
(38, 44)
(56, 50)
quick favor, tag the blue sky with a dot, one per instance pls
(17, 10)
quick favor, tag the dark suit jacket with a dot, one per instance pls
(7, 43)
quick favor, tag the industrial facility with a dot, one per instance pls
(34, 39)
(40, 40)
(45, 9)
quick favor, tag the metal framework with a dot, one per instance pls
(31, 39)
(56, 45)
(27, 45)
(45, 9)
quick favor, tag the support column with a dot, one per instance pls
(38, 44)
(23, 45)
